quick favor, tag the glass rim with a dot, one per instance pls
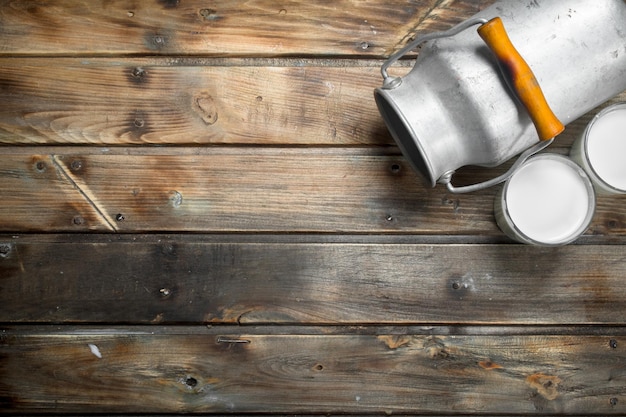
(591, 201)
(585, 152)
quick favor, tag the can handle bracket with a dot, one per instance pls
(446, 178)
(387, 80)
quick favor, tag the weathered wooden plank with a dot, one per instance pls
(136, 101)
(244, 189)
(231, 414)
(103, 370)
(38, 195)
(445, 14)
(251, 28)
(194, 101)
(249, 189)
(177, 280)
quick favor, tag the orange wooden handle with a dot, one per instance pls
(522, 79)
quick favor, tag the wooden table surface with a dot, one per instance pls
(203, 212)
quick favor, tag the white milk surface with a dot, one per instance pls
(606, 147)
(547, 200)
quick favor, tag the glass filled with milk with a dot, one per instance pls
(601, 150)
(548, 201)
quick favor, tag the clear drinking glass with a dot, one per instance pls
(548, 201)
(601, 150)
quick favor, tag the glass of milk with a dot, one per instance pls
(601, 150)
(548, 201)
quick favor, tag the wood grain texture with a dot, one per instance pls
(444, 15)
(202, 212)
(248, 190)
(244, 189)
(162, 280)
(225, 28)
(195, 101)
(102, 370)
(37, 194)
(108, 102)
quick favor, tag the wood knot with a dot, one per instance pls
(5, 250)
(138, 75)
(204, 105)
(176, 199)
(395, 342)
(436, 349)
(546, 385)
(208, 14)
(489, 365)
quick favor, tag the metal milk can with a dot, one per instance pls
(482, 98)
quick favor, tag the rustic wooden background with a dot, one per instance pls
(202, 212)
